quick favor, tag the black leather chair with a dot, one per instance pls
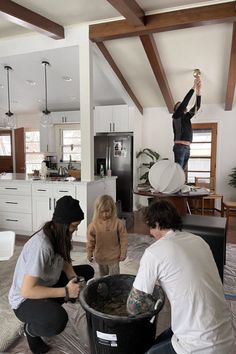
(213, 230)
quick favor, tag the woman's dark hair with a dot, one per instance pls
(60, 238)
(164, 213)
(176, 105)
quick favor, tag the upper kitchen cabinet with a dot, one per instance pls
(109, 119)
(66, 117)
(47, 139)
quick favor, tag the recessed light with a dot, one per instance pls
(31, 82)
(1, 86)
(73, 98)
(66, 78)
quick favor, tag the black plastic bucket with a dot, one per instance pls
(117, 333)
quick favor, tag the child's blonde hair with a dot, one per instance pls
(104, 202)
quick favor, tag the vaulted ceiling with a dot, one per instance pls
(153, 47)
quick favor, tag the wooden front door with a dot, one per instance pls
(20, 150)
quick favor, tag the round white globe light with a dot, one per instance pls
(166, 176)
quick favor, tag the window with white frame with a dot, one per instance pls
(5, 143)
(33, 156)
(68, 142)
(202, 159)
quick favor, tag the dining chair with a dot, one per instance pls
(229, 209)
(7, 244)
(209, 183)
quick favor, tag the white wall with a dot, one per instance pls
(157, 134)
(31, 121)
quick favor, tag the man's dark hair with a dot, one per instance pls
(164, 213)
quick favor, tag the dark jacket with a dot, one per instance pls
(182, 126)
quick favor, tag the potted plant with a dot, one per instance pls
(232, 181)
(150, 154)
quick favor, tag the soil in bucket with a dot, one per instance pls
(111, 329)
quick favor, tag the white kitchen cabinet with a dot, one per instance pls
(15, 207)
(66, 117)
(42, 204)
(47, 140)
(108, 119)
(44, 196)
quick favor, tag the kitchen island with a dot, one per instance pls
(27, 203)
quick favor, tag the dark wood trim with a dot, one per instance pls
(20, 150)
(232, 73)
(213, 128)
(130, 10)
(167, 21)
(150, 48)
(115, 68)
(24, 17)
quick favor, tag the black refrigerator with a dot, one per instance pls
(115, 153)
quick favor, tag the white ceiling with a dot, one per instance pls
(207, 48)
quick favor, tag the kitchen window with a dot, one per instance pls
(33, 157)
(68, 142)
(5, 144)
(202, 161)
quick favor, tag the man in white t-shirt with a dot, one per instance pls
(184, 266)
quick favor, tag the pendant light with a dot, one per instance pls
(46, 120)
(10, 118)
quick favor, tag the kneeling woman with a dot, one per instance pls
(44, 277)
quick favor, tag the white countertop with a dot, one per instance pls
(22, 177)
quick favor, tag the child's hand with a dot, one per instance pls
(90, 258)
(73, 288)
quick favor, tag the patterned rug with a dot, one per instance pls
(74, 338)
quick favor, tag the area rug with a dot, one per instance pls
(229, 272)
(74, 338)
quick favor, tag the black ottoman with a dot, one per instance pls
(213, 230)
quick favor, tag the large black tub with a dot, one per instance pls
(111, 329)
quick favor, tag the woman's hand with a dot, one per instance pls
(73, 288)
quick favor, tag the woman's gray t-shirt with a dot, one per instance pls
(37, 259)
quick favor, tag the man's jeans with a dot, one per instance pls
(162, 344)
(182, 154)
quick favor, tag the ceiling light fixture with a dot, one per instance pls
(31, 82)
(67, 78)
(46, 120)
(10, 120)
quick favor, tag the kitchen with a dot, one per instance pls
(34, 200)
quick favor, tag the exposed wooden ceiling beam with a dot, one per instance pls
(111, 62)
(150, 48)
(168, 21)
(232, 73)
(26, 18)
(130, 10)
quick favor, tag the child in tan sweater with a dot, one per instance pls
(107, 239)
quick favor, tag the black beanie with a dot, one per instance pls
(67, 210)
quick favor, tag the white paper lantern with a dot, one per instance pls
(166, 176)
